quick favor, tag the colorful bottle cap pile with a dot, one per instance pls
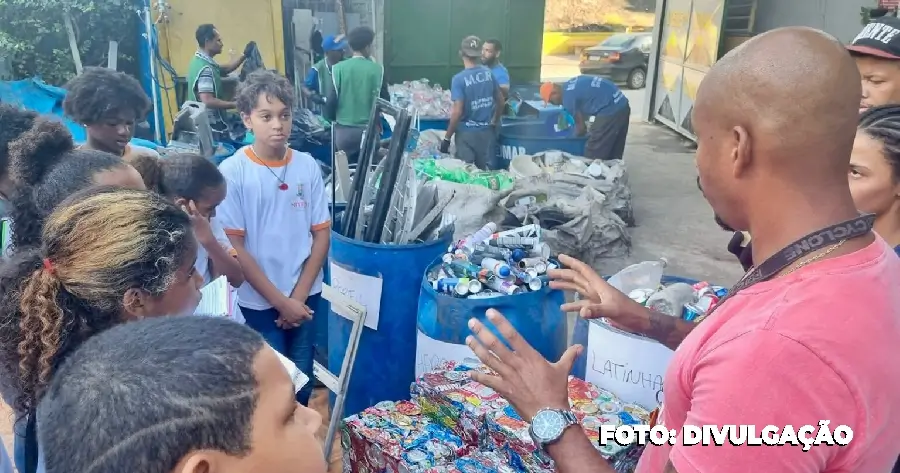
(477, 462)
(592, 406)
(480, 431)
(451, 398)
(396, 437)
(489, 263)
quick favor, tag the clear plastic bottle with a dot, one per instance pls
(486, 231)
(643, 275)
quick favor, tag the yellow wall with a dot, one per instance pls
(568, 43)
(238, 21)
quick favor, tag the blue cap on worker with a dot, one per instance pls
(334, 43)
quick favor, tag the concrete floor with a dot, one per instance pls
(673, 219)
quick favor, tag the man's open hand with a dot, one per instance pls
(524, 378)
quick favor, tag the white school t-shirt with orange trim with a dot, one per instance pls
(276, 224)
(202, 263)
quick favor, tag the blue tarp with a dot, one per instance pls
(34, 94)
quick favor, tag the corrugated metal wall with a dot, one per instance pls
(425, 36)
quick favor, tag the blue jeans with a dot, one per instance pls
(19, 448)
(297, 344)
(19, 444)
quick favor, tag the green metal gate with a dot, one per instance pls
(422, 37)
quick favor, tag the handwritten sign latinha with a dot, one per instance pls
(630, 367)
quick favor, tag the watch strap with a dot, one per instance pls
(570, 418)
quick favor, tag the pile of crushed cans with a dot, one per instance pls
(454, 424)
(489, 263)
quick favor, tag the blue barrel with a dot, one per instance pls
(385, 358)
(320, 321)
(535, 315)
(145, 143)
(580, 333)
(533, 137)
(530, 91)
(427, 123)
(516, 120)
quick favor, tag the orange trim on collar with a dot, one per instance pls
(268, 162)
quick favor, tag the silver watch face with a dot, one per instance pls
(548, 425)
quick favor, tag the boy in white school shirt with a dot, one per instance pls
(276, 215)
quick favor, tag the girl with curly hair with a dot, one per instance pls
(106, 256)
(109, 104)
(46, 168)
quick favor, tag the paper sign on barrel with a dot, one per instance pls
(630, 367)
(365, 290)
(431, 353)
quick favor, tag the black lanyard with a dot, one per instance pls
(815, 241)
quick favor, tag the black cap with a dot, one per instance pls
(471, 46)
(880, 38)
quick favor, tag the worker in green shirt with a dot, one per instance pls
(358, 81)
(205, 75)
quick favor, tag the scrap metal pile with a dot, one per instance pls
(387, 203)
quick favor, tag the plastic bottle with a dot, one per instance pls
(643, 275)
(671, 300)
(479, 236)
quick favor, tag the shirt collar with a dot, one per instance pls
(203, 55)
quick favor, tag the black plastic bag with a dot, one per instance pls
(253, 62)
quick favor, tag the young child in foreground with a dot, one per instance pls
(185, 402)
(195, 184)
(276, 215)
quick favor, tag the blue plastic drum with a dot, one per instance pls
(386, 357)
(444, 319)
(534, 137)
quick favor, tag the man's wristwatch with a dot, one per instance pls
(548, 425)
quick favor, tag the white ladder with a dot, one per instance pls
(355, 313)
